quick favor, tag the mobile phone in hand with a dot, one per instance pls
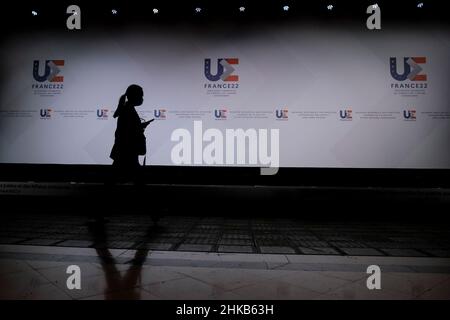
(146, 123)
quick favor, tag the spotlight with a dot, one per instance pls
(198, 10)
(155, 11)
(241, 9)
(114, 11)
(330, 7)
(420, 5)
(34, 13)
(286, 8)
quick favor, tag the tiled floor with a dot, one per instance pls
(219, 234)
(39, 272)
(128, 257)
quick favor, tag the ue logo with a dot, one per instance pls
(51, 71)
(224, 70)
(220, 113)
(409, 114)
(411, 69)
(102, 113)
(45, 113)
(281, 114)
(160, 114)
(346, 114)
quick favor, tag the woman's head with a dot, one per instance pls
(135, 95)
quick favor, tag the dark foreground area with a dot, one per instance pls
(221, 242)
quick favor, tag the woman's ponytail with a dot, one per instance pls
(120, 106)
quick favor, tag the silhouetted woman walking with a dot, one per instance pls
(129, 136)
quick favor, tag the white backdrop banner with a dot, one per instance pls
(339, 97)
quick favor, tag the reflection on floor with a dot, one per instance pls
(219, 234)
(129, 257)
(39, 272)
